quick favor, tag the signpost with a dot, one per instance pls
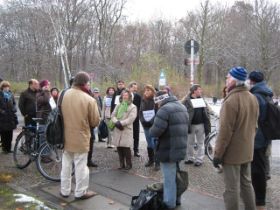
(162, 79)
(192, 47)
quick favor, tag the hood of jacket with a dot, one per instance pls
(261, 88)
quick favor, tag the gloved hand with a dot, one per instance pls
(217, 162)
(119, 125)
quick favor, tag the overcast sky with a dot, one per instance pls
(145, 10)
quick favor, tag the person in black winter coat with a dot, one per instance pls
(115, 100)
(258, 165)
(8, 118)
(27, 102)
(171, 128)
(136, 125)
(147, 113)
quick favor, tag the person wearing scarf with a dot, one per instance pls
(8, 118)
(123, 117)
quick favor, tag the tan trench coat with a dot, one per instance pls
(80, 113)
(238, 124)
(124, 138)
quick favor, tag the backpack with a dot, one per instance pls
(54, 125)
(271, 125)
(147, 200)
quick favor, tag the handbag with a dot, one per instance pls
(103, 129)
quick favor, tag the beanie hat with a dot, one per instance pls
(95, 90)
(44, 83)
(160, 96)
(256, 76)
(239, 73)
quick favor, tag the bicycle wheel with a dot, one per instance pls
(49, 162)
(210, 146)
(22, 150)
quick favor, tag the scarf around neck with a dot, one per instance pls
(122, 109)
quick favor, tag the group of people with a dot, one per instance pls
(172, 129)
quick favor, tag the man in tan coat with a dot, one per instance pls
(235, 143)
(80, 113)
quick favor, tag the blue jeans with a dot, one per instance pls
(150, 140)
(169, 184)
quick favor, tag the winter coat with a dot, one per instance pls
(261, 91)
(27, 103)
(207, 125)
(124, 138)
(238, 123)
(8, 118)
(171, 128)
(147, 104)
(80, 113)
(43, 105)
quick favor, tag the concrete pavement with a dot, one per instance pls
(115, 189)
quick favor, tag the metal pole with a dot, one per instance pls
(192, 61)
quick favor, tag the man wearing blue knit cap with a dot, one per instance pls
(235, 142)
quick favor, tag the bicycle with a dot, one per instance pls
(210, 140)
(27, 149)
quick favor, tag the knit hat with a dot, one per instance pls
(160, 96)
(44, 83)
(95, 90)
(256, 76)
(239, 73)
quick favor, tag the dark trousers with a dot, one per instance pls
(124, 156)
(136, 131)
(91, 141)
(6, 139)
(259, 175)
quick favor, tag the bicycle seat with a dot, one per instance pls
(37, 119)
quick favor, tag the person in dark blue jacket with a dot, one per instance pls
(259, 88)
(171, 128)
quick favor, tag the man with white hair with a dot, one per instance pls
(235, 142)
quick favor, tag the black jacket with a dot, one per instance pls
(117, 93)
(206, 117)
(171, 128)
(27, 103)
(8, 118)
(261, 90)
(43, 105)
(147, 104)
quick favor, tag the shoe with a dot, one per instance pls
(128, 168)
(189, 162)
(101, 140)
(149, 163)
(64, 196)
(197, 164)
(157, 167)
(92, 164)
(110, 146)
(87, 195)
(178, 203)
(136, 154)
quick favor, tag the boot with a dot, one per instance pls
(157, 164)
(121, 157)
(151, 157)
(128, 158)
